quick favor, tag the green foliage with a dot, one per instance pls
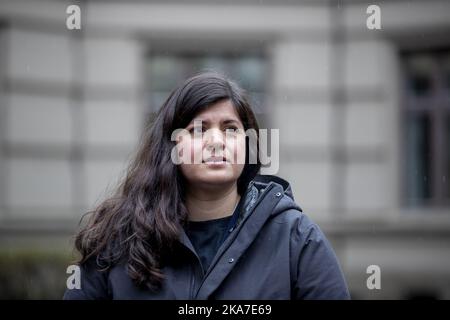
(27, 274)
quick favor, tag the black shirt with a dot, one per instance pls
(206, 237)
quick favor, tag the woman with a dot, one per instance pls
(178, 228)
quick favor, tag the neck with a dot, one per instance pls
(206, 204)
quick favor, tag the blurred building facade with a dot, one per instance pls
(364, 116)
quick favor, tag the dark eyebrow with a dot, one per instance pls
(226, 121)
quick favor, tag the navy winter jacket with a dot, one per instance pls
(274, 252)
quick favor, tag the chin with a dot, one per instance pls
(211, 176)
(217, 177)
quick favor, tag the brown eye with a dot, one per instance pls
(196, 129)
(231, 129)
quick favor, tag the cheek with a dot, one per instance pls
(187, 148)
(237, 148)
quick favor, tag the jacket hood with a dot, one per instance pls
(257, 189)
(265, 180)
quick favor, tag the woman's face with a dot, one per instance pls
(215, 143)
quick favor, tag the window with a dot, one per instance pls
(426, 124)
(167, 70)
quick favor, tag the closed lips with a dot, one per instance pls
(215, 159)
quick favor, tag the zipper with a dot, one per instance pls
(194, 263)
(192, 283)
(194, 269)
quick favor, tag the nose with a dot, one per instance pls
(214, 139)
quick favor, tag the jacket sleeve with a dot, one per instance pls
(94, 283)
(316, 270)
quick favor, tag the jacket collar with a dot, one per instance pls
(255, 190)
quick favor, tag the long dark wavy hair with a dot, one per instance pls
(140, 223)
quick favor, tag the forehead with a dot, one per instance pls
(222, 110)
